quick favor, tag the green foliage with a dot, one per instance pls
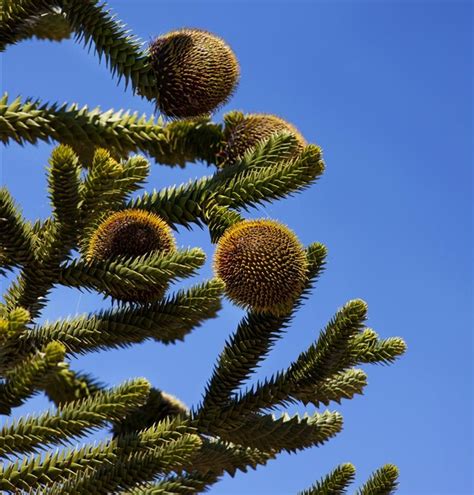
(52, 26)
(73, 419)
(339, 347)
(128, 469)
(343, 385)
(178, 205)
(158, 406)
(24, 380)
(382, 482)
(55, 238)
(64, 192)
(142, 453)
(290, 434)
(156, 444)
(240, 187)
(335, 483)
(108, 184)
(174, 485)
(122, 52)
(22, 19)
(217, 457)
(166, 321)
(254, 338)
(119, 132)
(255, 185)
(17, 242)
(13, 326)
(67, 385)
(127, 275)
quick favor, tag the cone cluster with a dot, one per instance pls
(196, 72)
(262, 264)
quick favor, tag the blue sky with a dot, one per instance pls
(385, 89)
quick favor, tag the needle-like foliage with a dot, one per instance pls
(109, 232)
(74, 419)
(335, 483)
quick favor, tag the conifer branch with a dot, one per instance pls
(326, 355)
(55, 237)
(131, 274)
(277, 149)
(32, 287)
(119, 132)
(158, 406)
(320, 361)
(176, 485)
(123, 53)
(196, 201)
(218, 219)
(13, 326)
(313, 379)
(25, 379)
(52, 26)
(108, 184)
(289, 434)
(66, 385)
(178, 205)
(13, 322)
(260, 184)
(6, 265)
(64, 191)
(91, 23)
(244, 186)
(19, 18)
(218, 457)
(250, 344)
(133, 469)
(146, 449)
(335, 483)
(74, 419)
(17, 243)
(343, 385)
(368, 348)
(382, 482)
(165, 321)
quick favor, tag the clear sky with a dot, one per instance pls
(385, 89)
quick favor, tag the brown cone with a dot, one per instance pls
(262, 264)
(253, 128)
(131, 233)
(196, 72)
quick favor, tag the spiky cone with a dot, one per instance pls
(131, 233)
(262, 264)
(246, 131)
(196, 72)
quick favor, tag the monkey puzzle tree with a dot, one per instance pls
(101, 238)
